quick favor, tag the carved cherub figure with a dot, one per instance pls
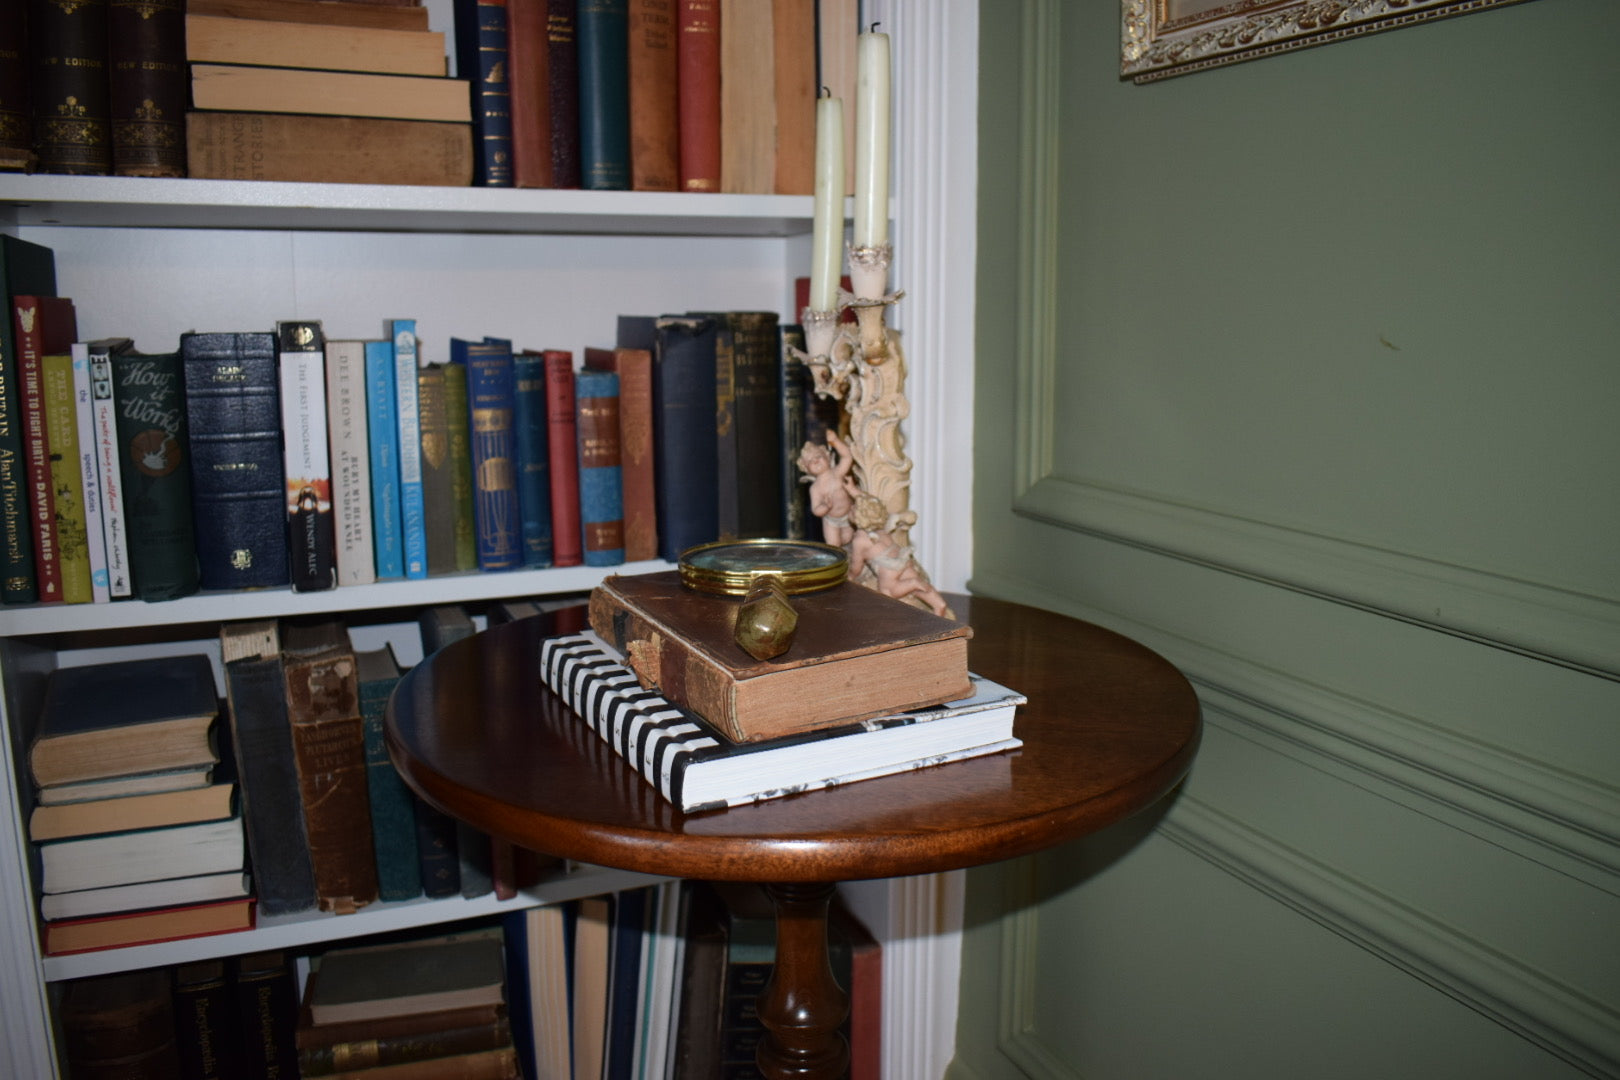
(832, 490)
(897, 573)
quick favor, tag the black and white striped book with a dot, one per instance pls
(696, 768)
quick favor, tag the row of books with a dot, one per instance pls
(658, 983)
(662, 95)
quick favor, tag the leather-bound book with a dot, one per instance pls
(119, 1027)
(562, 426)
(638, 484)
(328, 738)
(30, 269)
(68, 86)
(655, 135)
(496, 515)
(604, 95)
(533, 450)
(267, 775)
(601, 493)
(239, 503)
(684, 431)
(205, 1021)
(530, 69)
(438, 494)
(147, 86)
(856, 654)
(307, 463)
(16, 116)
(155, 436)
(793, 31)
(562, 42)
(697, 63)
(482, 62)
(267, 1014)
(756, 410)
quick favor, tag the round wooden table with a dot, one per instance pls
(1110, 727)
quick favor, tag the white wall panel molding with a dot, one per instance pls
(1568, 1023)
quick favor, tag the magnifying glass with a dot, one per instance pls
(766, 574)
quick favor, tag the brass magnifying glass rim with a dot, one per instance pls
(729, 567)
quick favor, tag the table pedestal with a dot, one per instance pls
(802, 1006)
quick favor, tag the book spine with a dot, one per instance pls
(653, 86)
(90, 474)
(104, 432)
(25, 270)
(382, 432)
(533, 456)
(205, 1021)
(686, 453)
(638, 482)
(481, 59)
(67, 477)
(437, 863)
(697, 57)
(68, 85)
(793, 35)
(118, 1025)
(562, 439)
(147, 86)
(728, 508)
(494, 455)
(747, 97)
(398, 1049)
(311, 546)
(267, 1016)
(604, 95)
(438, 498)
(155, 441)
(350, 462)
(27, 319)
(457, 411)
(328, 738)
(267, 784)
(16, 125)
(793, 390)
(412, 525)
(327, 149)
(531, 93)
(756, 409)
(393, 826)
(562, 60)
(601, 491)
(238, 494)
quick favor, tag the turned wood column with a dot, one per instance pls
(802, 1006)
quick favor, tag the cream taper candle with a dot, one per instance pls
(827, 236)
(872, 141)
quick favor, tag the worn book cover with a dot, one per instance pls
(154, 436)
(856, 654)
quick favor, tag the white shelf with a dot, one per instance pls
(116, 201)
(215, 607)
(296, 931)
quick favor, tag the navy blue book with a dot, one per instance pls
(604, 94)
(496, 516)
(684, 430)
(533, 455)
(481, 59)
(601, 483)
(631, 910)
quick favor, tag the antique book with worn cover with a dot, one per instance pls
(533, 448)
(481, 60)
(639, 489)
(856, 654)
(328, 149)
(69, 85)
(654, 124)
(146, 79)
(601, 492)
(154, 435)
(493, 449)
(697, 63)
(603, 37)
(562, 425)
(685, 454)
(438, 489)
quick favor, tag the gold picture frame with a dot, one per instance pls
(1162, 38)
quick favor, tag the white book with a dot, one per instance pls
(408, 415)
(104, 423)
(175, 892)
(348, 437)
(97, 862)
(301, 363)
(89, 473)
(696, 768)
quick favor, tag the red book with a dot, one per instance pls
(44, 326)
(634, 368)
(697, 65)
(147, 927)
(528, 54)
(562, 427)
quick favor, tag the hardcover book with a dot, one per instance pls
(26, 269)
(205, 1021)
(562, 39)
(95, 493)
(793, 33)
(61, 821)
(794, 390)
(393, 825)
(327, 149)
(530, 69)
(311, 544)
(145, 895)
(639, 485)
(451, 971)
(267, 1014)
(238, 494)
(747, 97)
(562, 434)
(69, 87)
(123, 717)
(696, 766)
(146, 76)
(697, 56)
(382, 432)
(407, 412)
(349, 446)
(604, 94)
(653, 86)
(223, 39)
(533, 449)
(328, 737)
(122, 1022)
(267, 776)
(461, 469)
(67, 477)
(109, 470)
(42, 325)
(496, 513)
(243, 88)
(438, 492)
(385, 16)
(601, 498)
(756, 411)
(685, 451)
(16, 123)
(176, 851)
(856, 654)
(481, 61)
(155, 443)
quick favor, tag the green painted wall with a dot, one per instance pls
(1303, 371)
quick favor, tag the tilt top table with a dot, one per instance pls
(1110, 727)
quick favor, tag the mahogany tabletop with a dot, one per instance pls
(1109, 728)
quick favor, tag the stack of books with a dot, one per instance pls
(437, 1002)
(323, 92)
(139, 839)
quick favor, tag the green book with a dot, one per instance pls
(461, 474)
(393, 821)
(154, 441)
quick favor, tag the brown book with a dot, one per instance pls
(312, 1036)
(329, 93)
(438, 488)
(856, 654)
(119, 1025)
(329, 12)
(499, 1064)
(529, 65)
(16, 117)
(323, 708)
(147, 927)
(838, 26)
(146, 61)
(327, 149)
(152, 811)
(747, 98)
(697, 65)
(220, 39)
(371, 1051)
(793, 27)
(68, 86)
(655, 158)
(634, 368)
